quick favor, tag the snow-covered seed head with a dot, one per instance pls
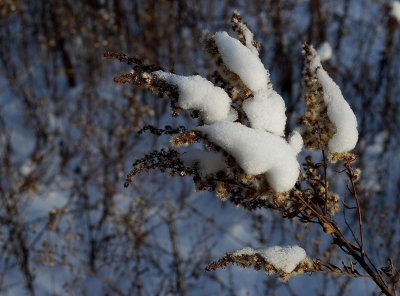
(333, 203)
(284, 261)
(211, 48)
(329, 123)
(243, 33)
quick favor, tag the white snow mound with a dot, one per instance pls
(283, 259)
(242, 61)
(197, 93)
(257, 152)
(339, 111)
(266, 110)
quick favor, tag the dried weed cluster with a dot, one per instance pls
(318, 128)
(310, 200)
(232, 183)
(259, 262)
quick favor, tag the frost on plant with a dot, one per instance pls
(242, 61)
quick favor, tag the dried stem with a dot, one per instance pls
(339, 239)
(357, 199)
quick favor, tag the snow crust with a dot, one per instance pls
(197, 93)
(395, 11)
(325, 51)
(242, 61)
(285, 259)
(209, 162)
(257, 152)
(339, 111)
(266, 110)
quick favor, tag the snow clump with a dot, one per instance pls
(266, 109)
(257, 152)
(197, 93)
(242, 61)
(284, 259)
(339, 111)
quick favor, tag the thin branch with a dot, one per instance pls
(357, 199)
(325, 165)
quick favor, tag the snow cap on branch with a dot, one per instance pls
(283, 259)
(242, 61)
(257, 152)
(330, 116)
(197, 93)
(266, 110)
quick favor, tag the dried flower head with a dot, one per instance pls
(318, 129)
(283, 261)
